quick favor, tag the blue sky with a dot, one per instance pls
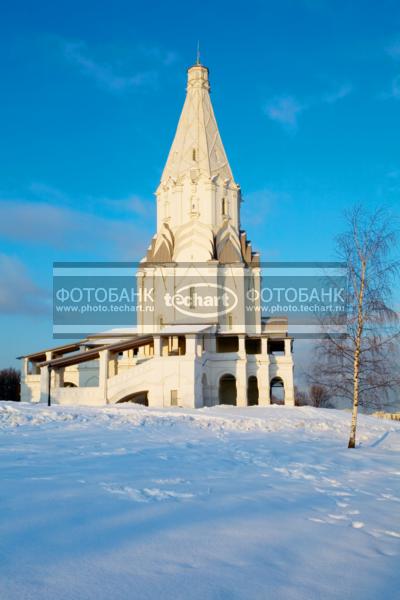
(307, 98)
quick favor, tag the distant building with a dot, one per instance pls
(204, 342)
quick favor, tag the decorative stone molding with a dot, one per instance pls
(228, 244)
(194, 242)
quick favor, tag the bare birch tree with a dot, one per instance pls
(362, 366)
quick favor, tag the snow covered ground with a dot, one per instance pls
(225, 503)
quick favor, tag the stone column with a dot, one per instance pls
(157, 346)
(103, 374)
(241, 373)
(44, 384)
(191, 345)
(199, 346)
(59, 377)
(242, 346)
(25, 368)
(113, 365)
(288, 377)
(289, 389)
(211, 343)
(45, 373)
(263, 375)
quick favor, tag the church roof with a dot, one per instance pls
(197, 146)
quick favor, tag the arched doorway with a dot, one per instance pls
(136, 398)
(227, 390)
(277, 391)
(252, 391)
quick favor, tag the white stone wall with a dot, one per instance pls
(194, 376)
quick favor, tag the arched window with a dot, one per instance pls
(194, 154)
(224, 207)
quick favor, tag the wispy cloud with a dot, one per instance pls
(395, 92)
(393, 49)
(164, 57)
(287, 109)
(105, 74)
(393, 174)
(19, 294)
(338, 94)
(63, 228)
(48, 192)
(132, 204)
(259, 204)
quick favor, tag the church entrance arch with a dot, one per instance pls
(227, 389)
(277, 391)
(136, 398)
(252, 391)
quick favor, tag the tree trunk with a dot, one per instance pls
(357, 351)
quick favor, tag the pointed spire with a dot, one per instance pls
(197, 145)
(198, 53)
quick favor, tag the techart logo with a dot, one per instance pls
(202, 300)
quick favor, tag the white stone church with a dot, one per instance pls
(205, 341)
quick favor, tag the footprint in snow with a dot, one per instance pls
(146, 494)
(394, 534)
(388, 497)
(379, 532)
(294, 473)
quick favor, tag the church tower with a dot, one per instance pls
(200, 339)
(198, 223)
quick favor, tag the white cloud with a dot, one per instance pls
(18, 292)
(394, 49)
(52, 194)
(64, 228)
(393, 174)
(259, 204)
(105, 74)
(395, 92)
(132, 204)
(287, 109)
(163, 57)
(338, 94)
